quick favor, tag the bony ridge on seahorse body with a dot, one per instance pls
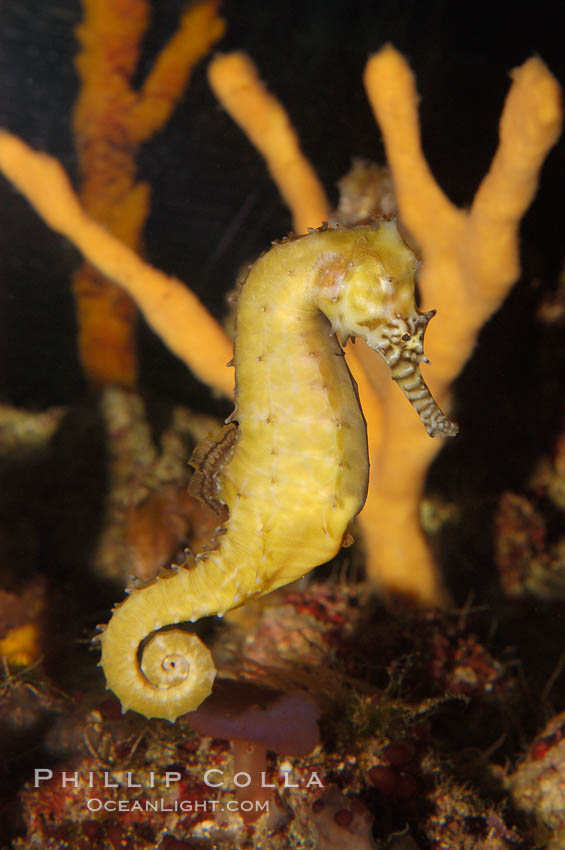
(291, 464)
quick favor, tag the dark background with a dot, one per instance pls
(215, 207)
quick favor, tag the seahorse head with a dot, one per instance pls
(374, 292)
(369, 292)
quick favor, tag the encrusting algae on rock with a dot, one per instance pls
(403, 458)
(412, 704)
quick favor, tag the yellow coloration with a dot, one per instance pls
(111, 120)
(236, 84)
(297, 473)
(21, 646)
(470, 262)
(167, 304)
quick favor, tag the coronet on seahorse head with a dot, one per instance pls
(371, 294)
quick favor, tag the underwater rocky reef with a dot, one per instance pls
(408, 693)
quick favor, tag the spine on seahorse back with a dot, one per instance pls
(293, 470)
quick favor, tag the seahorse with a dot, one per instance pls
(291, 463)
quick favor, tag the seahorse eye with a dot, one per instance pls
(405, 337)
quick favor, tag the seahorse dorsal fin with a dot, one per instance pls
(208, 460)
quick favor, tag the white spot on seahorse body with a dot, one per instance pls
(387, 284)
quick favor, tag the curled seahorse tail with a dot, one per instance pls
(291, 464)
(152, 669)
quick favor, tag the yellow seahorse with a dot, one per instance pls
(291, 464)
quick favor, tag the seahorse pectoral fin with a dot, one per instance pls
(208, 460)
